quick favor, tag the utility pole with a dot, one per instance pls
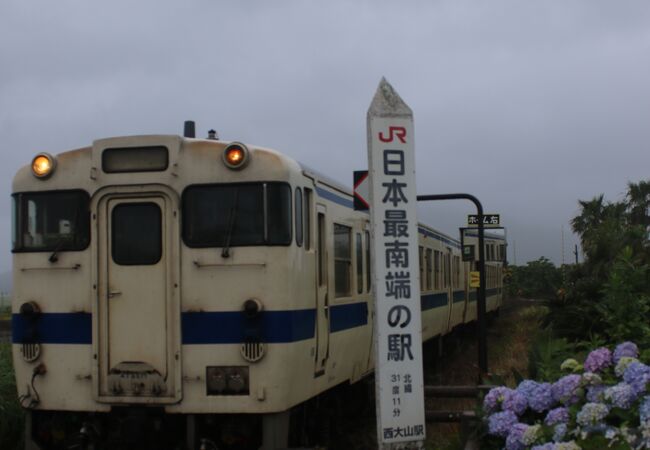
(575, 252)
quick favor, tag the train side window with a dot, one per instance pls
(422, 268)
(278, 212)
(368, 268)
(428, 268)
(136, 234)
(299, 216)
(342, 260)
(436, 270)
(359, 263)
(307, 212)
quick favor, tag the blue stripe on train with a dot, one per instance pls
(218, 327)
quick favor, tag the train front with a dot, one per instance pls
(143, 268)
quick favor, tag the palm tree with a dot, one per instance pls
(638, 202)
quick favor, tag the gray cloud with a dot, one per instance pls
(528, 105)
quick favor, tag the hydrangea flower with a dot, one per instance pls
(547, 446)
(592, 414)
(622, 365)
(566, 389)
(596, 394)
(627, 349)
(591, 379)
(598, 359)
(570, 365)
(557, 415)
(538, 395)
(571, 445)
(515, 440)
(506, 399)
(500, 423)
(493, 399)
(644, 409)
(637, 375)
(559, 432)
(621, 395)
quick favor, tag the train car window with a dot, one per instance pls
(436, 270)
(342, 260)
(307, 211)
(51, 221)
(239, 214)
(429, 266)
(299, 217)
(278, 211)
(368, 268)
(422, 268)
(359, 263)
(136, 234)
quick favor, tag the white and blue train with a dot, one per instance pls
(173, 291)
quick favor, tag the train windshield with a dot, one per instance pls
(243, 214)
(51, 221)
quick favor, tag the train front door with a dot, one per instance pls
(137, 320)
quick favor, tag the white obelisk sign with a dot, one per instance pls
(396, 273)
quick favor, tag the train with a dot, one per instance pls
(181, 292)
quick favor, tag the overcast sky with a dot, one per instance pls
(529, 105)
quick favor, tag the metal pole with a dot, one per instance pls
(480, 301)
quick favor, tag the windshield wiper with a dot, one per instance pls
(54, 257)
(225, 252)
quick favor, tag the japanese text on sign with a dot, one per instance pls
(397, 297)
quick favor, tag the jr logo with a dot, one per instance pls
(394, 132)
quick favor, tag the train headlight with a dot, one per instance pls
(43, 165)
(236, 156)
(231, 380)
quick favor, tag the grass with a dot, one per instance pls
(510, 338)
(11, 414)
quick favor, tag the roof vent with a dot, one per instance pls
(189, 130)
(212, 135)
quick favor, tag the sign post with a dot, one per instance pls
(398, 335)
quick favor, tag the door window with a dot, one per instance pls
(136, 234)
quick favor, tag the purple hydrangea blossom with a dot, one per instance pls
(505, 399)
(596, 394)
(515, 440)
(592, 414)
(598, 359)
(494, 398)
(637, 375)
(547, 446)
(625, 349)
(566, 389)
(500, 423)
(538, 395)
(644, 409)
(557, 415)
(621, 395)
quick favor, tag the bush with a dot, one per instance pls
(11, 414)
(602, 403)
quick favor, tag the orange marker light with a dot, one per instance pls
(43, 165)
(235, 156)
